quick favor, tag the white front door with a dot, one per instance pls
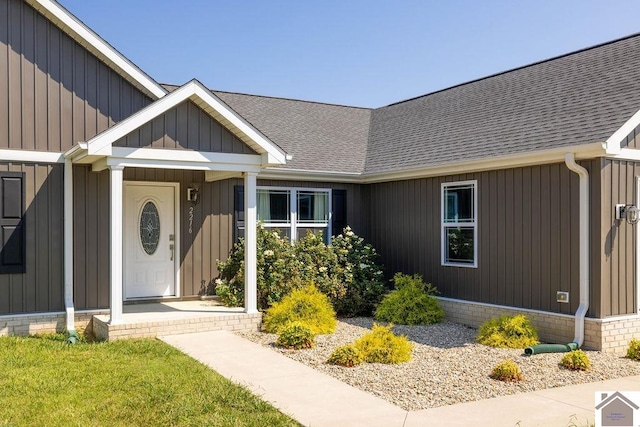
(150, 240)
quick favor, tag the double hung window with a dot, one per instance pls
(459, 223)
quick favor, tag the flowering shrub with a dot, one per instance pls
(278, 271)
(360, 274)
(319, 264)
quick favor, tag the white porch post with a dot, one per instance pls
(115, 174)
(250, 244)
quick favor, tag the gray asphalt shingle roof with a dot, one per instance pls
(578, 98)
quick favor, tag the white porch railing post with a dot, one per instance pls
(250, 244)
(116, 249)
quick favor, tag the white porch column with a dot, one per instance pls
(250, 244)
(115, 174)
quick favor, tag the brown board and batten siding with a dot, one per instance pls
(527, 235)
(186, 126)
(56, 93)
(40, 287)
(618, 293)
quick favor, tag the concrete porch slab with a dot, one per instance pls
(174, 318)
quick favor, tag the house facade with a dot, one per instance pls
(502, 192)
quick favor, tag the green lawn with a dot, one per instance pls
(46, 382)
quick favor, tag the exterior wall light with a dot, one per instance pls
(629, 213)
(193, 195)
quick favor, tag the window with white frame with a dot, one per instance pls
(460, 223)
(295, 211)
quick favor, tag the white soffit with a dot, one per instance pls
(86, 37)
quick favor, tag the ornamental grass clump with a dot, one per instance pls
(306, 305)
(576, 360)
(412, 303)
(296, 336)
(507, 371)
(508, 332)
(346, 355)
(633, 352)
(381, 345)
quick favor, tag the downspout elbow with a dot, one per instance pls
(581, 312)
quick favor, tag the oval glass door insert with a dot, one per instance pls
(150, 228)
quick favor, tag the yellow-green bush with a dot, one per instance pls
(633, 352)
(381, 345)
(346, 355)
(508, 332)
(507, 371)
(412, 303)
(296, 336)
(307, 305)
(576, 360)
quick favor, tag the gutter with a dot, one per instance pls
(581, 312)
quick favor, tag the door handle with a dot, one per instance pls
(171, 249)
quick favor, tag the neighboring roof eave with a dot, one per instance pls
(86, 37)
(102, 143)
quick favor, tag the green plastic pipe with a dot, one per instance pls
(73, 337)
(551, 348)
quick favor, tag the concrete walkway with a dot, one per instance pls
(316, 399)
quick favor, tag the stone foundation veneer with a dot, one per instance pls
(611, 334)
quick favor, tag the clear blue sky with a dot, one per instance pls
(365, 53)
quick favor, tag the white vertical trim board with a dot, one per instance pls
(116, 252)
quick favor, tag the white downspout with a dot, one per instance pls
(68, 250)
(581, 312)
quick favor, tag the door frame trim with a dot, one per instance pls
(176, 220)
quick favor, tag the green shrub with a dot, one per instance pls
(278, 272)
(576, 360)
(633, 352)
(412, 303)
(381, 345)
(507, 371)
(346, 355)
(360, 273)
(296, 336)
(305, 305)
(319, 264)
(508, 332)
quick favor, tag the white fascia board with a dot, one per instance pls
(31, 156)
(107, 162)
(614, 142)
(98, 46)
(306, 175)
(210, 176)
(165, 155)
(626, 154)
(555, 155)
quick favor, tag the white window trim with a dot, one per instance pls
(444, 225)
(293, 206)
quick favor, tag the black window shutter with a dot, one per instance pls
(339, 207)
(238, 212)
(12, 205)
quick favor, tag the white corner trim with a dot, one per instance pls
(31, 156)
(97, 45)
(614, 142)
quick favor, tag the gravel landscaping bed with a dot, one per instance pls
(448, 366)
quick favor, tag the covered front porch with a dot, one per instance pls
(154, 218)
(173, 318)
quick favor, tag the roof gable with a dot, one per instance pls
(195, 92)
(91, 41)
